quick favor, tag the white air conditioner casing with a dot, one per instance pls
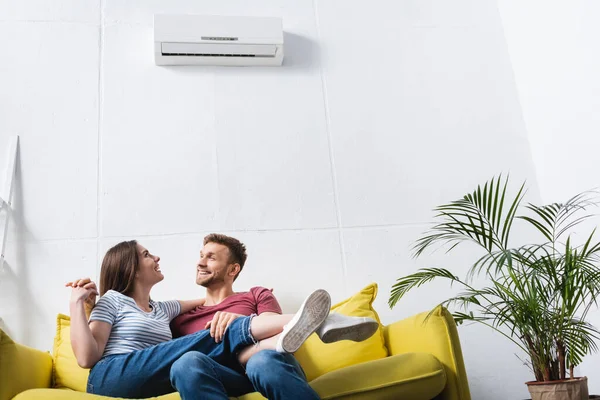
(217, 40)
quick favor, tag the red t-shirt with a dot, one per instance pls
(257, 301)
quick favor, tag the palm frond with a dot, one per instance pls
(478, 217)
(422, 276)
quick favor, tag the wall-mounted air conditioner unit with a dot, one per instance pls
(217, 40)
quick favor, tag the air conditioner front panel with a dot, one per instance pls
(218, 40)
(218, 50)
(193, 28)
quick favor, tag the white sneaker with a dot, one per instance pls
(313, 311)
(341, 327)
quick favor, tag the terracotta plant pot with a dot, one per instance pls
(568, 389)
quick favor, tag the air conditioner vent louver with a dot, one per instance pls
(217, 40)
(211, 55)
(229, 39)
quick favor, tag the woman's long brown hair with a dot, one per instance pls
(119, 267)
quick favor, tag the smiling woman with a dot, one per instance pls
(124, 264)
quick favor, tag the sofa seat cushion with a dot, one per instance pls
(67, 394)
(415, 376)
(252, 396)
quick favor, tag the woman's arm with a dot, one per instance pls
(188, 305)
(87, 341)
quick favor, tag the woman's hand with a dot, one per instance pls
(88, 339)
(83, 290)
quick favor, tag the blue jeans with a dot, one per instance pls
(199, 368)
(279, 376)
(275, 375)
(147, 372)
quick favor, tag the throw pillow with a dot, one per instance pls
(67, 374)
(318, 358)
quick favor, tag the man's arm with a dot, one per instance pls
(264, 303)
(219, 324)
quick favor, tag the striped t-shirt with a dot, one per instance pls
(133, 328)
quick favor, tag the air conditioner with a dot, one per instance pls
(217, 40)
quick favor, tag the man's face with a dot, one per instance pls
(213, 265)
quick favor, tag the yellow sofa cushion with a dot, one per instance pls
(318, 358)
(415, 376)
(433, 332)
(252, 396)
(67, 394)
(67, 374)
(21, 367)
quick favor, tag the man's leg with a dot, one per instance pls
(197, 376)
(278, 376)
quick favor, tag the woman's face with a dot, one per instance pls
(149, 270)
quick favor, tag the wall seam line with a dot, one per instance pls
(331, 156)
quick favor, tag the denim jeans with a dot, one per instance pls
(147, 372)
(275, 375)
(199, 368)
(279, 376)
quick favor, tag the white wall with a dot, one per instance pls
(554, 50)
(327, 168)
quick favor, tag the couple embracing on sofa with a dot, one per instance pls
(226, 344)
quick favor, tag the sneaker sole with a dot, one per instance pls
(314, 311)
(356, 333)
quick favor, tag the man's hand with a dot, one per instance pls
(84, 289)
(220, 323)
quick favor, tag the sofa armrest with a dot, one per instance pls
(437, 336)
(22, 368)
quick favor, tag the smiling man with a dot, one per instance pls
(221, 260)
(275, 374)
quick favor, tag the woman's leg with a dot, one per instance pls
(293, 329)
(146, 373)
(266, 326)
(286, 333)
(313, 316)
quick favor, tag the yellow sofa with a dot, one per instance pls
(424, 362)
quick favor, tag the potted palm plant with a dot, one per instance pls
(537, 294)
